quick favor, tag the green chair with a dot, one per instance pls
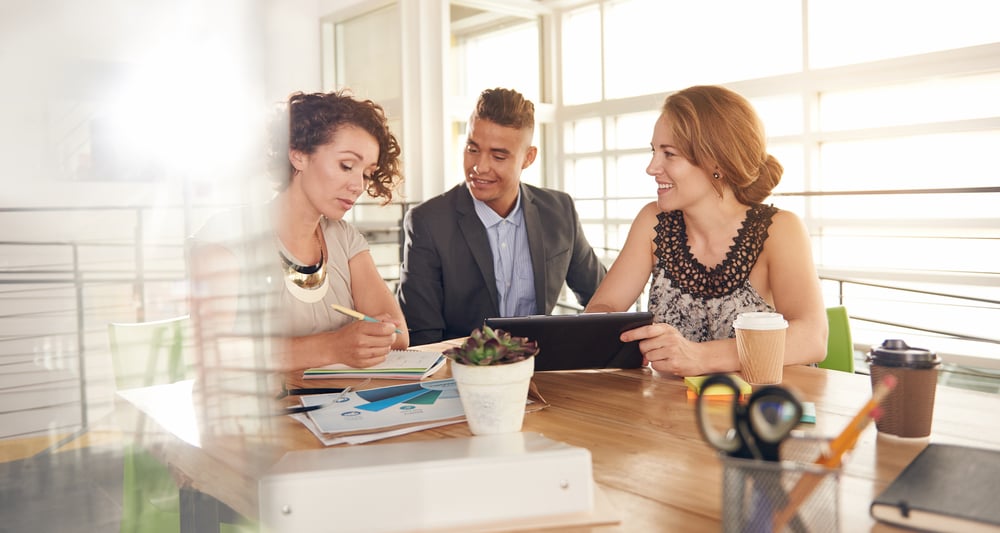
(149, 353)
(839, 345)
(145, 354)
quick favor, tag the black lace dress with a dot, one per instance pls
(699, 302)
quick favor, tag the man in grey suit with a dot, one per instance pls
(492, 246)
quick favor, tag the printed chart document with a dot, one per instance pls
(399, 364)
(362, 438)
(387, 408)
(373, 414)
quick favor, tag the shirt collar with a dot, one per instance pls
(490, 218)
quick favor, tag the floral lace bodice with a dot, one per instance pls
(701, 302)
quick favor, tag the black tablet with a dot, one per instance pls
(574, 342)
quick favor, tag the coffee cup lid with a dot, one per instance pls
(895, 352)
(760, 320)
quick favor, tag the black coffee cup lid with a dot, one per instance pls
(895, 352)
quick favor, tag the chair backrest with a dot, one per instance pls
(150, 353)
(839, 345)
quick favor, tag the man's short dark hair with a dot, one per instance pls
(506, 107)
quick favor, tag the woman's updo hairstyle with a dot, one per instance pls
(714, 125)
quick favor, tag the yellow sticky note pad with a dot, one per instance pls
(694, 387)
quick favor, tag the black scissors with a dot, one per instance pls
(751, 431)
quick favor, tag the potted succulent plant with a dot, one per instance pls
(492, 371)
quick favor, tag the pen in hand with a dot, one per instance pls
(354, 314)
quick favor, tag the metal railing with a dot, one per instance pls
(72, 286)
(887, 285)
(81, 269)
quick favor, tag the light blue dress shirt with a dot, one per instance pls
(511, 258)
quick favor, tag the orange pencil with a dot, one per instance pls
(838, 447)
(849, 437)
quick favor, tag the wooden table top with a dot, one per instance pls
(648, 455)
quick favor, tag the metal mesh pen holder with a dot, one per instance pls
(754, 492)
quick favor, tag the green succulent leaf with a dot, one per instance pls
(487, 346)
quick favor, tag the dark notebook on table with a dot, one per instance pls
(574, 342)
(945, 488)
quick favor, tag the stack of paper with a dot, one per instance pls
(399, 364)
(387, 408)
(373, 414)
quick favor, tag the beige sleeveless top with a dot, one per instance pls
(267, 303)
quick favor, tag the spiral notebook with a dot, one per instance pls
(399, 364)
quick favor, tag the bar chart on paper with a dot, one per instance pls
(388, 407)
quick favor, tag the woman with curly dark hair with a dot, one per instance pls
(312, 120)
(327, 149)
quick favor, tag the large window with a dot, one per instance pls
(351, 46)
(357, 44)
(883, 114)
(494, 48)
(843, 32)
(886, 125)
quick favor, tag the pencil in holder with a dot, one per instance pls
(759, 495)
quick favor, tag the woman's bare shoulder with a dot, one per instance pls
(786, 223)
(648, 212)
(787, 236)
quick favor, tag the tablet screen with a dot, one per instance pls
(574, 342)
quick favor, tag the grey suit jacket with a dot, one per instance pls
(447, 286)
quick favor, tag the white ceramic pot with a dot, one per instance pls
(494, 396)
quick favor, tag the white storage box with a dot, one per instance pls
(460, 483)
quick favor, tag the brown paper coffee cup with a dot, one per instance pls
(909, 409)
(760, 343)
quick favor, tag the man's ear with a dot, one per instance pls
(529, 157)
(298, 159)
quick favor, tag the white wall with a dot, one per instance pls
(171, 93)
(173, 87)
(292, 57)
(330, 6)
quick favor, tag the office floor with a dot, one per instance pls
(62, 484)
(75, 490)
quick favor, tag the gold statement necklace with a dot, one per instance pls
(309, 277)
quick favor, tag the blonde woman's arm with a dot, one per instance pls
(795, 288)
(628, 275)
